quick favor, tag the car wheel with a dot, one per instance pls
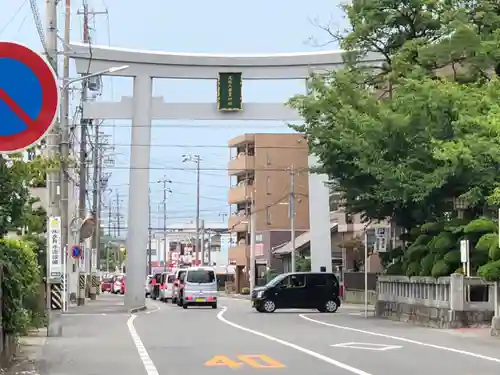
(179, 301)
(269, 306)
(174, 300)
(184, 305)
(154, 298)
(331, 306)
(214, 305)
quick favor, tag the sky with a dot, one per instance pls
(219, 26)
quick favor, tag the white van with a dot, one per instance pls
(198, 288)
(167, 287)
(176, 287)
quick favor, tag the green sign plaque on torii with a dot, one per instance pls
(229, 92)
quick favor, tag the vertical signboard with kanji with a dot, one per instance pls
(55, 269)
(229, 92)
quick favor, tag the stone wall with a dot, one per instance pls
(435, 317)
(440, 303)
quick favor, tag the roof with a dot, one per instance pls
(300, 241)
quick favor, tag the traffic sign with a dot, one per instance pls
(76, 252)
(29, 97)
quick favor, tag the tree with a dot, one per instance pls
(406, 138)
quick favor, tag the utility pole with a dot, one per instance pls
(292, 215)
(82, 195)
(253, 223)
(196, 159)
(166, 190)
(96, 192)
(197, 252)
(118, 213)
(150, 257)
(54, 324)
(202, 241)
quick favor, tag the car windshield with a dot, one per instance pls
(200, 276)
(276, 280)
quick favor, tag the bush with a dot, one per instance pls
(490, 271)
(481, 226)
(452, 258)
(494, 252)
(245, 291)
(485, 242)
(413, 269)
(415, 252)
(426, 265)
(432, 228)
(395, 269)
(441, 268)
(21, 279)
(442, 243)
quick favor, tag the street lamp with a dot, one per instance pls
(194, 158)
(111, 70)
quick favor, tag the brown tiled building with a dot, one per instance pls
(260, 168)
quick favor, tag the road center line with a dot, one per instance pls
(311, 353)
(143, 353)
(410, 341)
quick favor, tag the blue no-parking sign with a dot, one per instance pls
(29, 97)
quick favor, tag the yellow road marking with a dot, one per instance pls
(258, 361)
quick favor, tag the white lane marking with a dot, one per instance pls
(366, 346)
(143, 353)
(89, 314)
(319, 356)
(398, 338)
(157, 307)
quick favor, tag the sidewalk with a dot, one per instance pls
(95, 341)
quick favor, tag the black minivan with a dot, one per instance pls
(298, 290)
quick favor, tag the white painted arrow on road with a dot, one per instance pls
(366, 346)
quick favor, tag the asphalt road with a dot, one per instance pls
(168, 340)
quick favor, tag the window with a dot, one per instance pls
(268, 215)
(294, 281)
(163, 277)
(170, 279)
(268, 185)
(316, 280)
(200, 277)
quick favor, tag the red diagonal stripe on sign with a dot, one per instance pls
(14, 107)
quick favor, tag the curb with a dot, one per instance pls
(138, 309)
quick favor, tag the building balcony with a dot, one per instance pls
(238, 255)
(239, 194)
(238, 223)
(241, 164)
(241, 140)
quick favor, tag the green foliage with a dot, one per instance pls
(441, 268)
(303, 264)
(494, 250)
(423, 239)
(486, 241)
(490, 271)
(21, 279)
(395, 269)
(400, 142)
(426, 265)
(443, 242)
(481, 226)
(415, 253)
(413, 269)
(432, 228)
(452, 258)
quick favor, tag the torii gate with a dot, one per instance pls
(142, 108)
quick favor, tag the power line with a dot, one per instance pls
(13, 17)
(177, 182)
(174, 145)
(200, 126)
(285, 169)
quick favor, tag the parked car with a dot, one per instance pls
(167, 286)
(155, 286)
(298, 290)
(177, 285)
(198, 288)
(123, 283)
(148, 286)
(117, 284)
(106, 284)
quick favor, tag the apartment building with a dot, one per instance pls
(261, 169)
